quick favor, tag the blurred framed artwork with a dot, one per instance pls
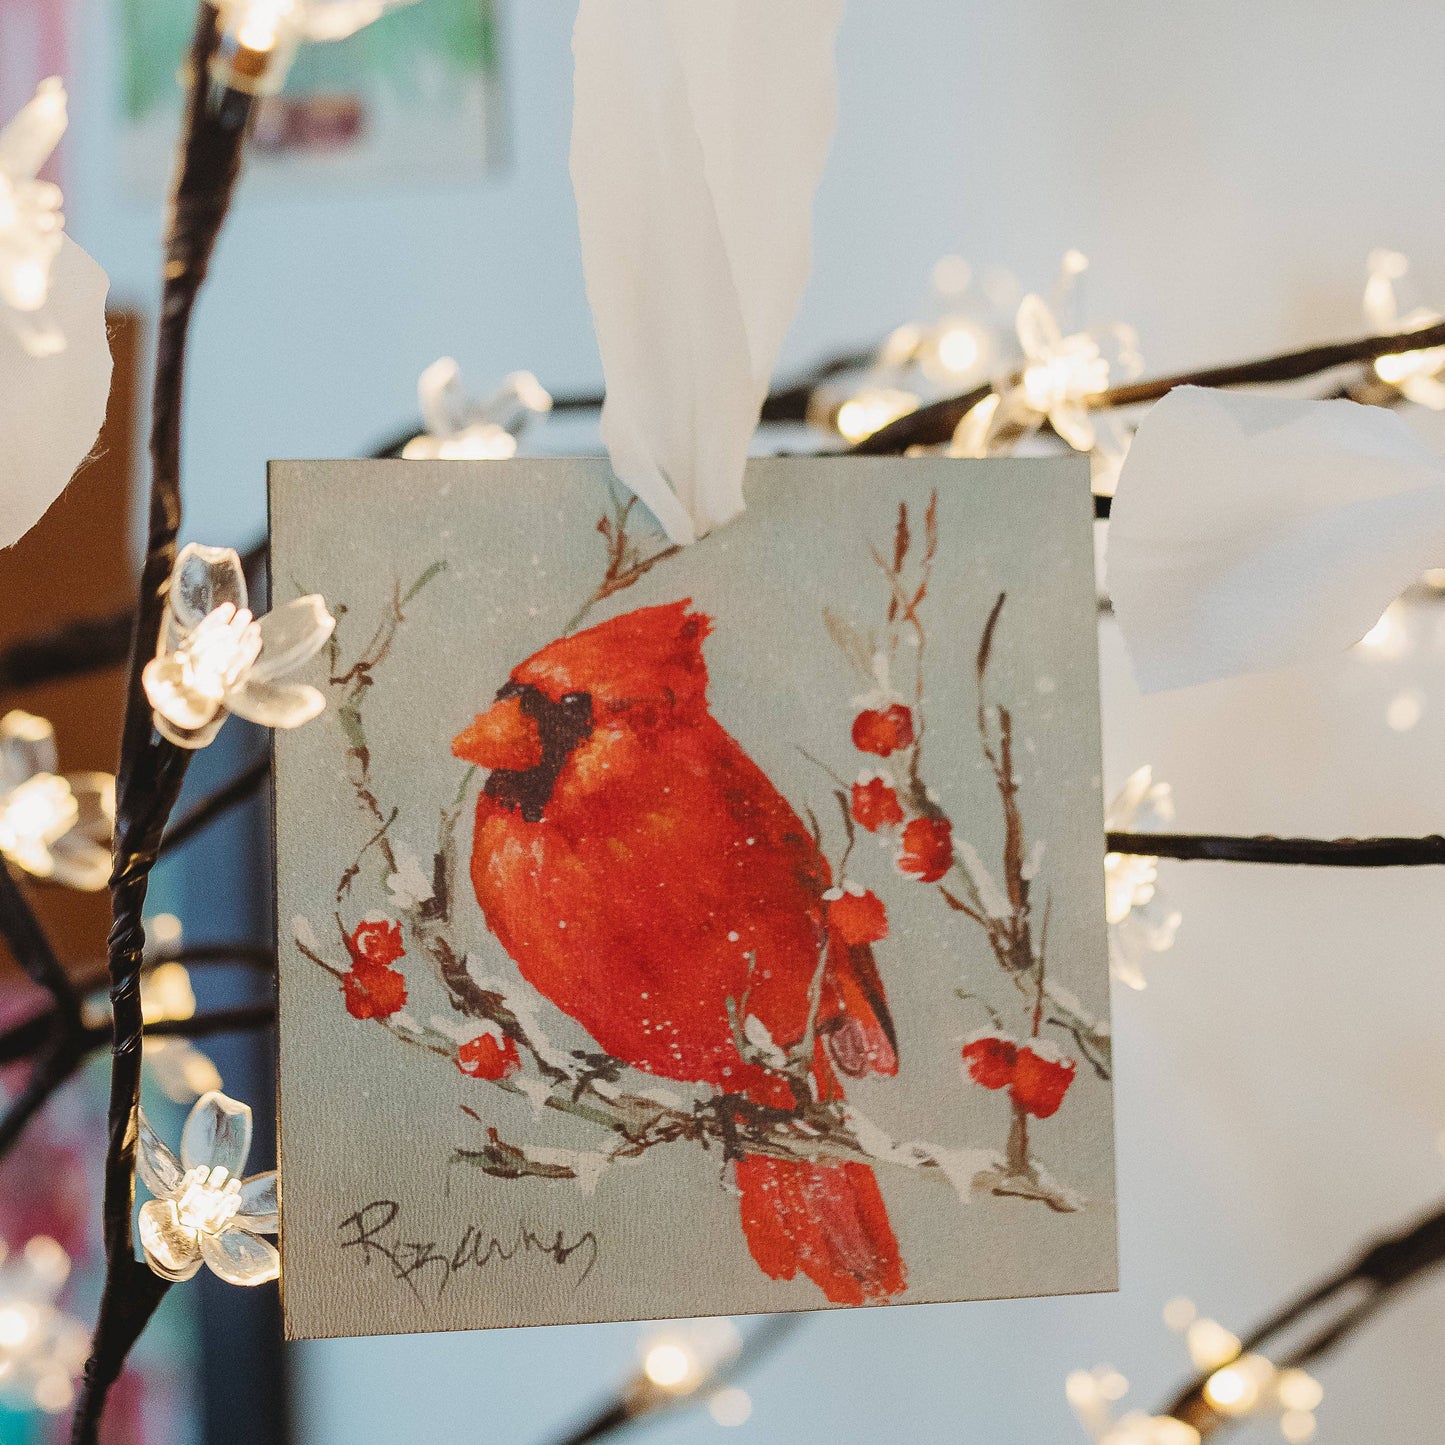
(418, 94)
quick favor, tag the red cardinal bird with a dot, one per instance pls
(641, 870)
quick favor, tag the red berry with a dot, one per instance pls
(875, 804)
(376, 941)
(488, 1057)
(883, 730)
(926, 849)
(373, 991)
(1041, 1079)
(990, 1060)
(856, 918)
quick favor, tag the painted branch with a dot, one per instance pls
(1308, 852)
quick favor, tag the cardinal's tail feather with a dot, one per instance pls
(827, 1220)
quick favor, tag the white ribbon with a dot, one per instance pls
(1251, 533)
(700, 130)
(52, 405)
(54, 353)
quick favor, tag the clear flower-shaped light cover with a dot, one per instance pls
(31, 223)
(42, 1349)
(204, 1210)
(968, 339)
(460, 428)
(52, 827)
(260, 37)
(215, 658)
(1141, 921)
(1063, 367)
(1238, 1387)
(964, 341)
(1416, 374)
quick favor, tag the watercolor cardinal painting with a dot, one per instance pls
(691, 931)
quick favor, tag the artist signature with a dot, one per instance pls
(421, 1262)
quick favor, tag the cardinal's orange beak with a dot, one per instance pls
(502, 737)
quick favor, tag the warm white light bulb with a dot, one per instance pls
(208, 1199)
(16, 1324)
(668, 1365)
(1210, 1344)
(166, 993)
(260, 23)
(1238, 1387)
(958, 349)
(872, 410)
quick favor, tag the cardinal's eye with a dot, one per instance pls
(575, 699)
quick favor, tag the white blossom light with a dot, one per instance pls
(31, 224)
(42, 1349)
(55, 361)
(261, 37)
(688, 1355)
(1141, 921)
(52, 827)
(872, 409)
(204, 1211)
(963, 341)
(1237, 1387)
(215, 658)
(1063, 369)
(459, 428)
(1062, 372)
(1417, 375)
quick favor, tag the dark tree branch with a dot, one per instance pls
(151, 770)
(242, 788)
(1347, 1299)
(1316, 852)
(58, 1043)
(641, 1399)
(30, 1036)
(88, 644)
(935, 424)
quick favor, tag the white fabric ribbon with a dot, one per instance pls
(54, 353)
(1251, 532)
(52, 405)
(699, 135)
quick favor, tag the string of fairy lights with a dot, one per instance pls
(1014, 372)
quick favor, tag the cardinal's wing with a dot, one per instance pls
(861, 1038)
